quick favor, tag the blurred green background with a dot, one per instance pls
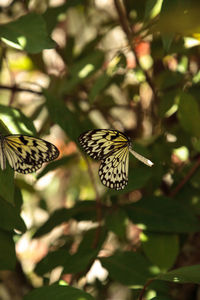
(71, 66)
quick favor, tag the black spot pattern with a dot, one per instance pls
(112, 148)
(26, 154)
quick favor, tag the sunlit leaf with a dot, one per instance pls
(27, 33)
(156, 246)
(56, 292)
(189, 274)
(7, 251)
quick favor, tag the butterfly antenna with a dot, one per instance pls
(143, 159)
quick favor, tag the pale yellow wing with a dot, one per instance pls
(113, 170)
(26, 154)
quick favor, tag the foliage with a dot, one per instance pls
(78, 65)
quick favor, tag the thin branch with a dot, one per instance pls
(15, 88)
(185, 179)
(144, 288)
(128, 31)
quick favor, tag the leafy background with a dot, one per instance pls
(70, 66)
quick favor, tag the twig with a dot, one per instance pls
(98, 205)
(14, 88)
(144, 288)
(185, 179)
(128, 31)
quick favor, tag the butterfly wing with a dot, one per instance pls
(113, 170)
(26, 154)
(100, 143)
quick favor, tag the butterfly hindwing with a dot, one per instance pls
(26, 154)
(112, 148)
(113, 170)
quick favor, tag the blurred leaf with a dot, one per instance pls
(189, 114)
(169, 79)
(18, 199)
(10, 218)
(51, 261)
(65, 118)
(56, 292)
(138, 178)
(162, 298)
(155, 212)
(16, 121)
(156, 246)
(27, 33)
(179, 17)
(82, 69)
(51, 15)
(100, 84)
(87, 251)
(116, 221)
(152, 8)
(128, 268)
(189, 274)
(81, 211)
(7, 184)
(7, 251)
(65, 160)
(167, 101)
(167, 40)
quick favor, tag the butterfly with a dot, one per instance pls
(112, 148)
(25, 154)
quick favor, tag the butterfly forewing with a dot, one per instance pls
(26, 154)
(102, 142)
(112, 148)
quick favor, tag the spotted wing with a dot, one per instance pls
(100, 143)
(113, 170)
(26, 154)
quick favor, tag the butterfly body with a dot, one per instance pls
(25, 154)
(112, 148)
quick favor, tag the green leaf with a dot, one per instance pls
(57, 292)
(156, 246)
(152, 8)
(77, 262)
(16, 121)
(51, 15)
(167, 101)
(64, 161)
(10, 218)
(82, 69)
(27, 33)
(167, 40)
(162, 298)
(190, 274)
(137, 178)
(7, 184)
(162, 214)
(81, 211)
(100, 84)
(68, 120)
(7, 251)
(169, 79)
(116, 221)
(129, 268)
(87, 251)
(51, 261)
(189, 114)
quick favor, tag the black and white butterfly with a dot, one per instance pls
(112, 148)
(25, 154)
